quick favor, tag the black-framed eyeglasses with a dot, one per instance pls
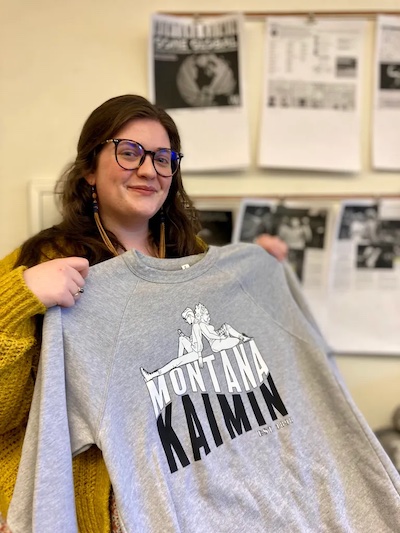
(130, 155)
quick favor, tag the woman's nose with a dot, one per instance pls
(147, 169)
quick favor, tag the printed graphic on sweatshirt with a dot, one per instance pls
(245, 373)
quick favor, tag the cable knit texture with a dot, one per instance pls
(20, 313)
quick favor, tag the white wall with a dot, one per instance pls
(59, 60)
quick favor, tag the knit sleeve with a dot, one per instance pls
(18, 343)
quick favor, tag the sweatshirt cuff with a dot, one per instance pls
(18, 303)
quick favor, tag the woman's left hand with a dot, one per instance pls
(273, 245)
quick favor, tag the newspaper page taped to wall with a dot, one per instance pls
(386, 121)
(362, 304)
(196, 74)
(366, 251)
(311, 98)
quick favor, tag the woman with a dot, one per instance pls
(224, 337)
(124, 190)
(189, 348)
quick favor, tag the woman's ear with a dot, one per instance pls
(90, 178)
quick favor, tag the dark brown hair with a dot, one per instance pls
(77, 234)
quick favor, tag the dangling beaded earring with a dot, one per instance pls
(99, 225)
(161, 247)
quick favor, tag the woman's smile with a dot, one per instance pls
(143, 189)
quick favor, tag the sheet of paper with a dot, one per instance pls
(196, 74)
(311, 100)
(386, 118)
(360, 310)
(366, 248)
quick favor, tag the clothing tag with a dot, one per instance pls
(185, 266)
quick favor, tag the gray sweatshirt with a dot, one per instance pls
(206, 384)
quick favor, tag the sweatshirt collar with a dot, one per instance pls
(170, 270)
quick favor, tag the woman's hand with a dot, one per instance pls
(57, 282)
(274, 245)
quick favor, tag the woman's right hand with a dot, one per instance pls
(273, 245)
(58, 281)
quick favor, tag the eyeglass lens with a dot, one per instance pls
(130, 155)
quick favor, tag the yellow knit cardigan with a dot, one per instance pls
(19, 355)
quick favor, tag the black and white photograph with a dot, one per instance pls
(390, 76)
(216, 226)
(389, 232)
(346, 67)
(295, 231)
(196, 65)
(359, 223)
(301, 228)
(375, 256)
(255, 220)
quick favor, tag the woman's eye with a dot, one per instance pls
(129, 153)
(163, 158)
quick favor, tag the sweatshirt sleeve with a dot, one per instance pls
(43, 499)
(18, 343)
(298, 296)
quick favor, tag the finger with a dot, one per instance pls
(280, 252)
(79, 291)
(74, 286)
(273, 245)
(78, 263)
(284, 250)
(67, 300)
(77, 278)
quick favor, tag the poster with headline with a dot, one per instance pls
(196, 74)
(386, 106)
(311, 99)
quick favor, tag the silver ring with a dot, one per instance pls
(80, 291)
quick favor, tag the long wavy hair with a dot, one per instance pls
(77, 233)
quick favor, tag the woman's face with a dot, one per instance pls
(129, 198)
(205, 316)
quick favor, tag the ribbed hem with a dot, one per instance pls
(18, 304)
